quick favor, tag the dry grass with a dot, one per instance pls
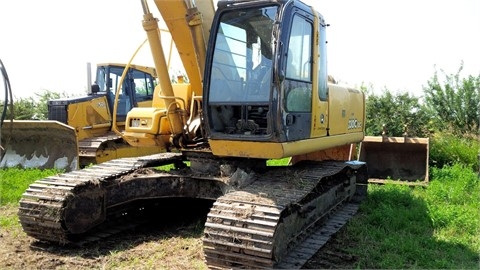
(175, 245)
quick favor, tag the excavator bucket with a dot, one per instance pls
(38, 144)
(401, 160)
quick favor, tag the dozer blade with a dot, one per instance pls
(396, 159)
(38, 144)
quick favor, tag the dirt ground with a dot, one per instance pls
(169, 243)
(120, 252)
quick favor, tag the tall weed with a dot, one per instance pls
(453, 200)
(447, 149)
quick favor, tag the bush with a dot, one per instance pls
(395, 111)
(447, 149)
(455, 100)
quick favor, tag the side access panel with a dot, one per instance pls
(38, 144)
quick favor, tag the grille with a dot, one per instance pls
(57, 112)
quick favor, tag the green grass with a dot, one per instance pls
(14, 181)
(416, 227)
(8, 219)
(278, 162)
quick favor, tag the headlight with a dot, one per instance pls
(135, 123)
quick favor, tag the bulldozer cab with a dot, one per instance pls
(402, 160)
(136, 89)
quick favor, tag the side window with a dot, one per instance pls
(143, 87)
(298, 89)
(300, 50)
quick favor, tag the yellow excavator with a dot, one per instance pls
(258, 90)
(81, 130)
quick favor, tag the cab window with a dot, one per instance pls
(298, 84)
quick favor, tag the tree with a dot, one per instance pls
(395, 111)
(41, 108)
(31, 108)
(455, 101)
(23, 109)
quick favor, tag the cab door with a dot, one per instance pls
(298, 82)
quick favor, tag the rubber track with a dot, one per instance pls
(42, 205)
(240, 231)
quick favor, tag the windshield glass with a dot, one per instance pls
(242, 60)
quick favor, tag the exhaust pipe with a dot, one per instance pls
(89, 78)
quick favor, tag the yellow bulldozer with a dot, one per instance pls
(258, 90)
(81, 130)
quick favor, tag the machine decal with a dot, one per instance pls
(354, 123)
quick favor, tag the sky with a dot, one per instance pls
(394, 44)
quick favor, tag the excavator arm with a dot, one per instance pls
(173, 118)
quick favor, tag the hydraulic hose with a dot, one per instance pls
(8, 93)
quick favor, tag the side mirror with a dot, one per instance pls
(95, 88)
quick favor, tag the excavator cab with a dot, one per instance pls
(266, 91)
